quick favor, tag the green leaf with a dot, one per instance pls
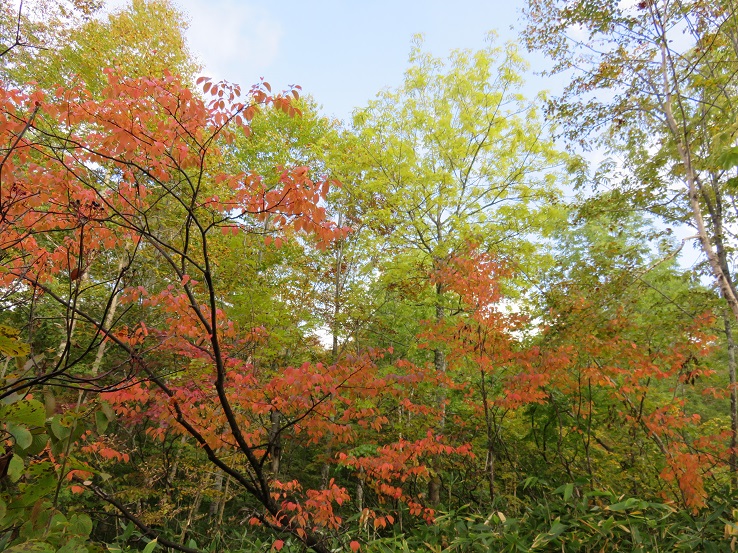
(568, 491)
(59, 430)
(21, 434)
(629, 503)
(636, 535)
(711, 547)
(557, 528)
(29, 412)
(37, 489)
(127, 533)
(31, 546)
(40, 439)
(10, 345)
(606, 525)
(728, 159)
(73, 546)
(15, 468)
(150, 546)
(80, 525)
(101, 422)
(530, 481)
(108, 410)
(42, 468)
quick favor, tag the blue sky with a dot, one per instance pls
(341, 52)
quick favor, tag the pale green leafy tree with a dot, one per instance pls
(59, 46)
(455, 155)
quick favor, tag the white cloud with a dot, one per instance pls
(578, 32)
(234, 40)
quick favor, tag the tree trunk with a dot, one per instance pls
(733, 462)
(218, 485)
(360, 491)
(491, 470)
(439, 362)
(194, 508)
(337, 288)
(109, 316)
(275, 441)
(223, 501)
(490, 426)
(434, 490)
(692, 182)
(439, 356)
(325, 469)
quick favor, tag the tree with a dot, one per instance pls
(666, 66)
(452, 153)
(28, 30)
(636, 331)
(656, 78)
(499, 372)
(67, 46)
(145, 169)
(455, 155)
(160, 145)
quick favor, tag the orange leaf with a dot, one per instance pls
(278, 545)
(354, 545)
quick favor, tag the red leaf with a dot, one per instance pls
(278, 545)
(354, 545)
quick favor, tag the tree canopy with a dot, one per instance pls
(229, 323)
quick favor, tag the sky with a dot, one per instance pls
(341, 52)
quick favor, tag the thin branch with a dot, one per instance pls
(147, 530)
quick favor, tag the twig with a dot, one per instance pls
(147, 530)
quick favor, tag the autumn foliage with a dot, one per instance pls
(121, 215)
